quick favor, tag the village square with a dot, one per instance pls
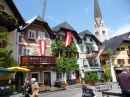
(59, 58)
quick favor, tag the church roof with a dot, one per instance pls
(97, 13)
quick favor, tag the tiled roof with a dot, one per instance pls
(88, 33)
(62, 25)
(114, 42)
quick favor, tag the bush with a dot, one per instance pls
(93, 77)
(104, 77)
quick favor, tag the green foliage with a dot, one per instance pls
(104, 77)
(86, 77)
(6, 60)
(9, 16)
(108, 52)
(106, 68)
(93, 77)
(64, 64)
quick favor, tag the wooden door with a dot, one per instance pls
(77, 77)
(47, 78)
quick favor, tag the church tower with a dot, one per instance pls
(99, 27)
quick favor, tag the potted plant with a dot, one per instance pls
(104, 77)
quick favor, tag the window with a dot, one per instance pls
(84, 63)
(61, 37)
(2, 7)
(96, 33)
(77, 54)
(128, 61)
(122, 48)
(68, 54)
(118, 49)
(120, 61)
(41, 35)
(91, 40)
(103, 32)
(26, 51)
(58, 75)
(36, 75)
(31, 34)
(84, 39)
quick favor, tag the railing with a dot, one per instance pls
(91, 54)
(128, 52)
(37, 61)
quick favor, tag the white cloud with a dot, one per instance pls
(86, 11)
(121, 30)
(50, 17)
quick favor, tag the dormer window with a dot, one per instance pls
(31, 34)
(41, 35)
(84, 39)
(91, 40)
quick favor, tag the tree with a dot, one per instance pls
(64, 64)
(106, 68)
(6, 60)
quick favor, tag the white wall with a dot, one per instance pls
(53, 78)
(7, 9)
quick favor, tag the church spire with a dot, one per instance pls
(97, 12)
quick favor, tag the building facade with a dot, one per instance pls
(89, 51)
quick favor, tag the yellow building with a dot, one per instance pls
(120, 45)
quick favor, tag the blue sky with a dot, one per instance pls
(80, 13)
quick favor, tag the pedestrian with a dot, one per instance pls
(35, 88)
(87, 90)
(26, 88)
(124, 82)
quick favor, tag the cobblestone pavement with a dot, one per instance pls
(76, 92)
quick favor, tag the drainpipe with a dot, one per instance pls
(112, 70)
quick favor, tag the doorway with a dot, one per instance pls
(47, 78)
(77, 76)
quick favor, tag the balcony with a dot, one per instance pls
(37, 61)
(7, 20)
(128, 52)
(91, 54)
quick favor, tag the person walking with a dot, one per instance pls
(26, 88)
(35, 88)
(123, 80)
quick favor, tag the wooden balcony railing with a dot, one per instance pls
(37, 61)
(128, 52)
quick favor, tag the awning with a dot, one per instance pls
(2, 69)
(90, 43)
(21, 69)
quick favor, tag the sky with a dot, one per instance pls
(79, 13)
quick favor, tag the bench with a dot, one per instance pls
(102, 87)
(107, 93)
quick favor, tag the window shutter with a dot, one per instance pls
(123, 61)
(118, 61)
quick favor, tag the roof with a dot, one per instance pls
(88, 33)
(97, 13)
(15, 11)
(113, 43)
(37, 20)
(66, 27)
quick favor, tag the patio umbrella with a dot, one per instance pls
(21, 69)
(2, 69)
